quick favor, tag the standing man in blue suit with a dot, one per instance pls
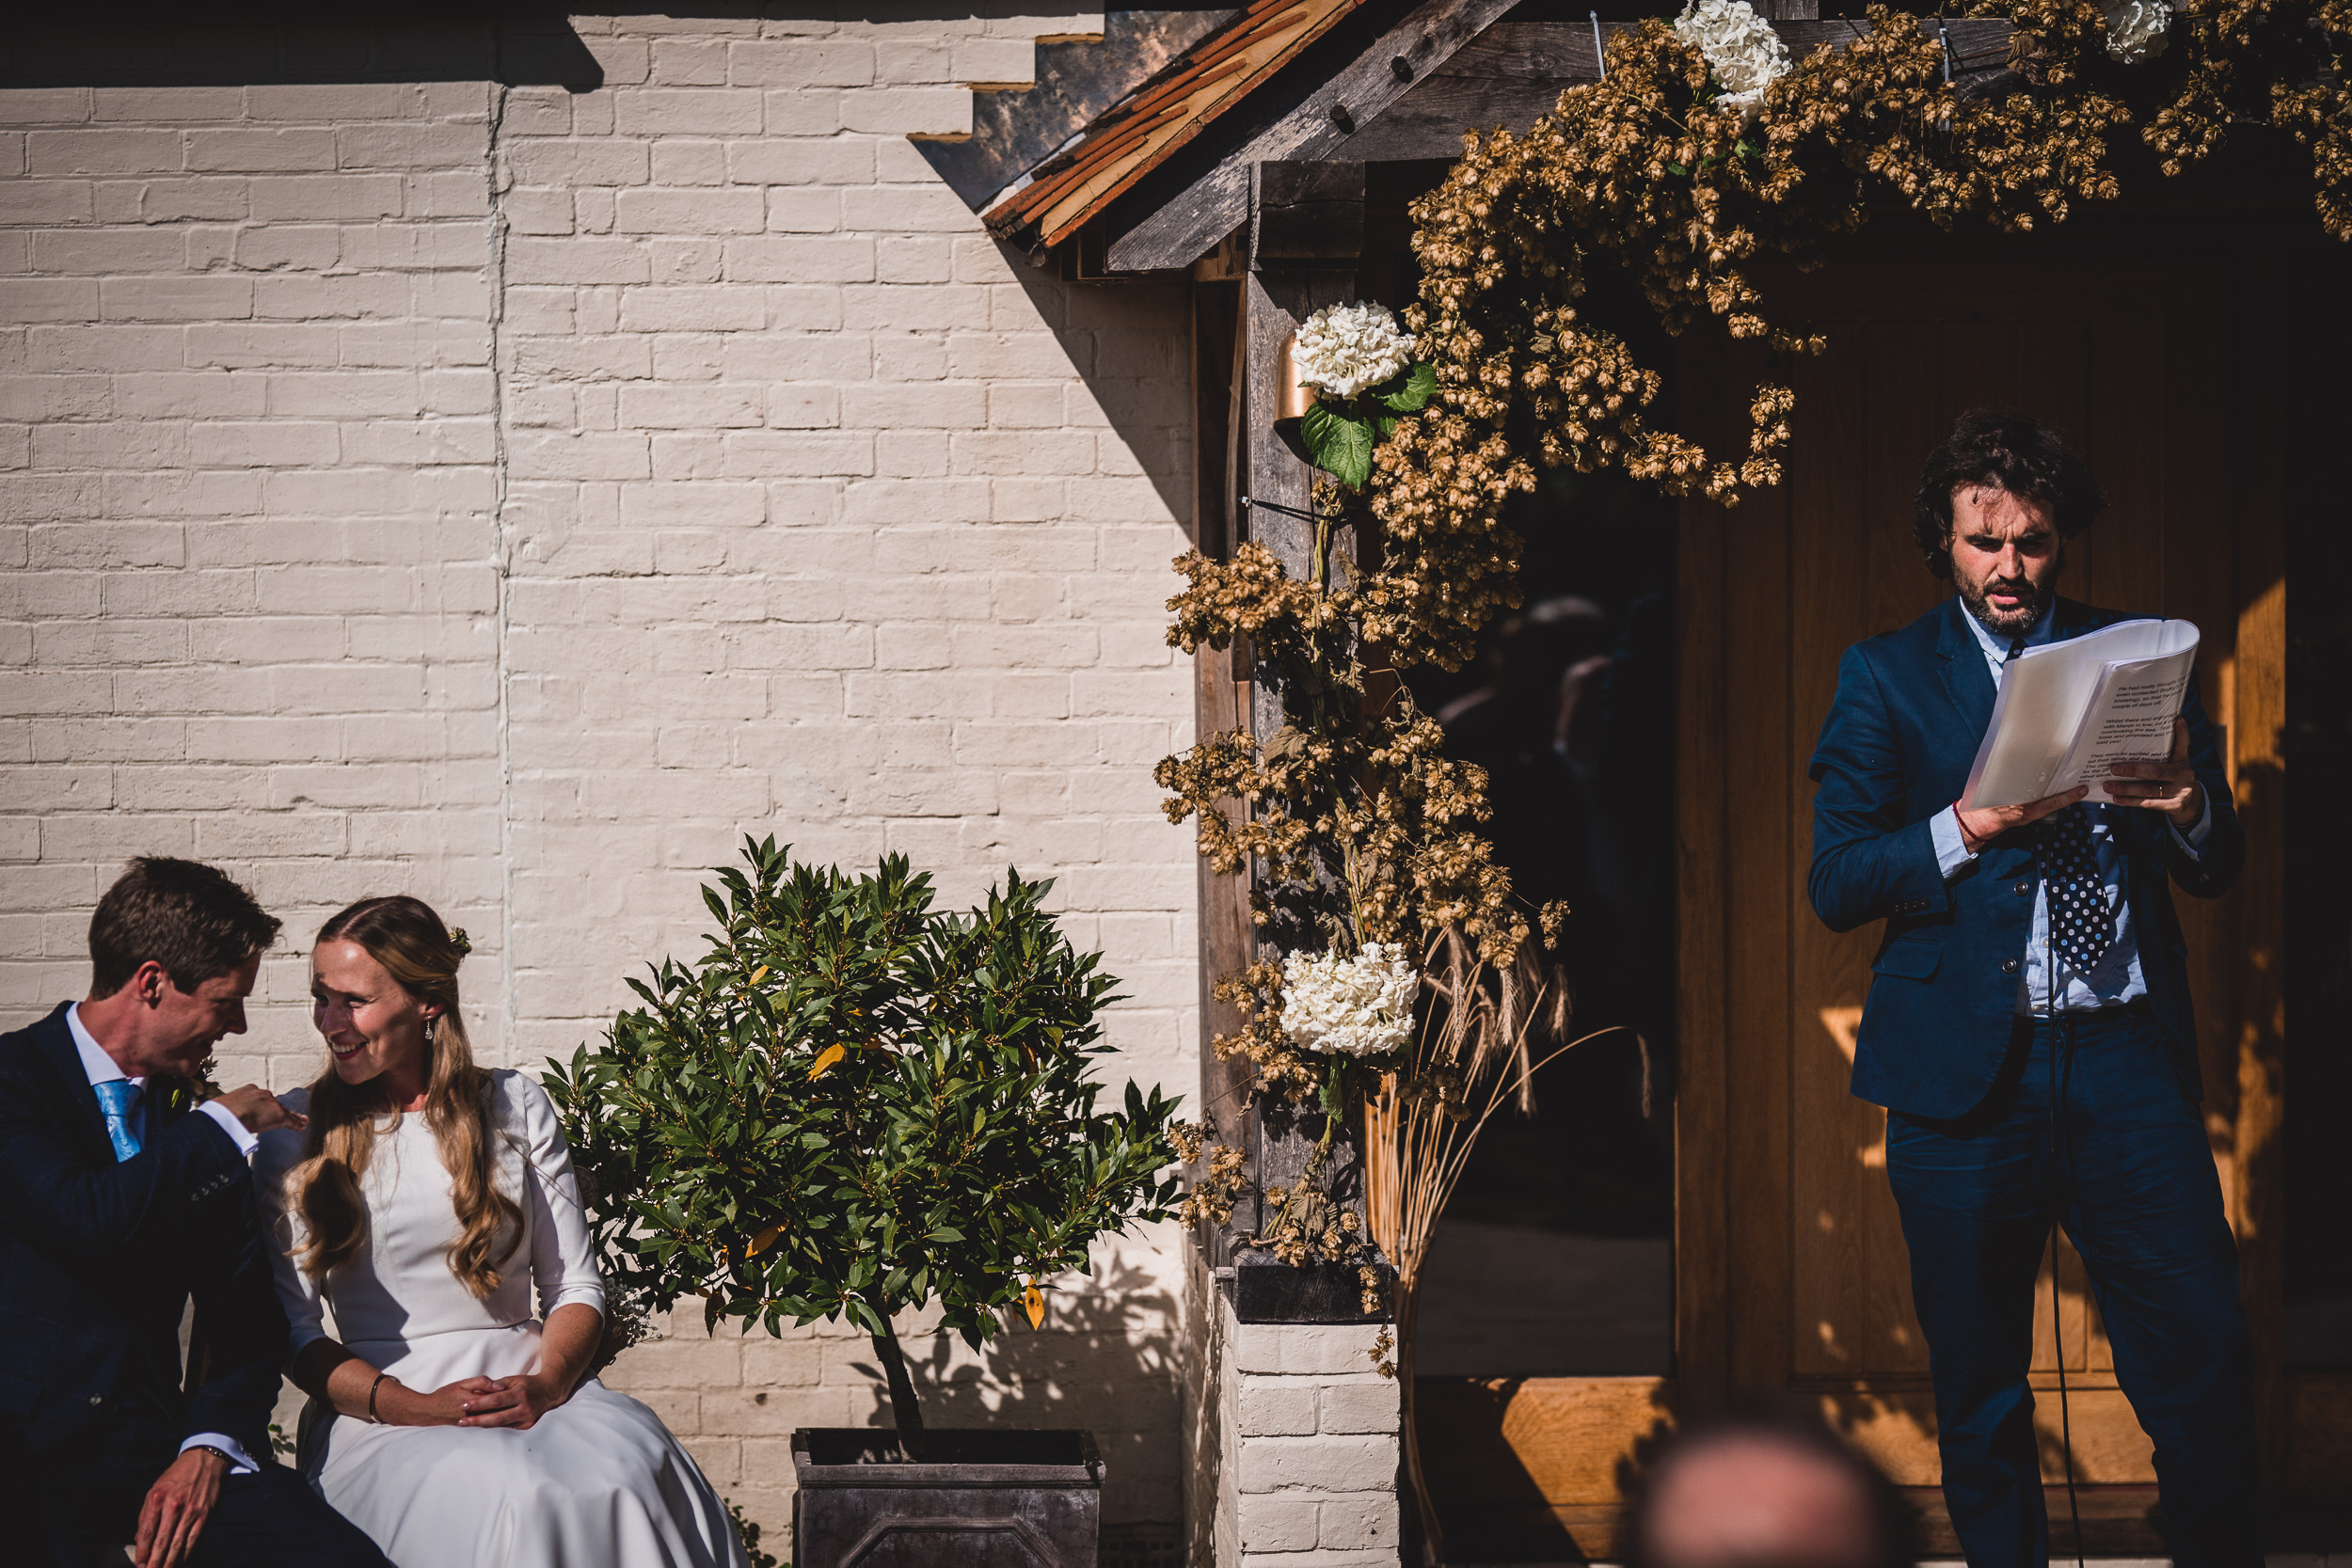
(121, 1199)
(2035, 1067)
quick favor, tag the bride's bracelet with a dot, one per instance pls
(372, 1418)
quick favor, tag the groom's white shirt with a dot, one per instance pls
(100, 1069)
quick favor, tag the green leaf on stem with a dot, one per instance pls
(1338, 442)
(1410, 392)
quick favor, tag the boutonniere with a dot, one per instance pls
(186, 1094)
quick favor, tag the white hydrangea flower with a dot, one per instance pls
(2136, 28)
(1343, 349)
(1741, 50)
(1359, 1006)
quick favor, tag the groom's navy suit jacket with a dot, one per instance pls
(98, 1260)
(1912, 707)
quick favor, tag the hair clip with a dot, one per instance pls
(458, 939)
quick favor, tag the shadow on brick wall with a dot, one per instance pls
(255, 46)
(1131, 343)
(1106, 1360)
(263, 45)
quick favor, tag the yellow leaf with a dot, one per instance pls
(758, 974)
(826, 1057)
(761, 1242)
(1036, 1304)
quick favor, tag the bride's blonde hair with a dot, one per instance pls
(421, 954)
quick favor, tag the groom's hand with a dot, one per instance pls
(177, 1506)
(260, 1110)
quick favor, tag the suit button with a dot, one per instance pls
(2009, 966)
(2022, 889)
(97, 1399)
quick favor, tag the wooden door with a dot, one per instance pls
(2151, 352)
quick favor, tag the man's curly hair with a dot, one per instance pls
(2010, 452)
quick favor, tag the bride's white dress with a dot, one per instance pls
(596, 1482)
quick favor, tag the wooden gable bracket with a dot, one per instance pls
(1181, 210)
(1304, 215)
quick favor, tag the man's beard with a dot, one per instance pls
(2033, 601)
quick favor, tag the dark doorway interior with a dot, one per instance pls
(1555, 1255)
(2318, 748)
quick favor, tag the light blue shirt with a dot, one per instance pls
(2118, 979)
(99, 1067)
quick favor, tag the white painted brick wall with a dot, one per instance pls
(1294, 1444)
(246, 512)
(513, 496)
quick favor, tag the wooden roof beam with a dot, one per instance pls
(1174, 228)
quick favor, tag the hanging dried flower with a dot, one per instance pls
(1356, 1006)
(2136, 28)
(1742, 53)
(1344, 349)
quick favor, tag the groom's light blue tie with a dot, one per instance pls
(115, 1098)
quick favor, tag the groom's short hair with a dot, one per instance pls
(185, 916)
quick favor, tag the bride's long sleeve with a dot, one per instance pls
(297, 1291)
(563, 1257)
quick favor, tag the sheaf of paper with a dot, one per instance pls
(2130, 721)
(2068, 711)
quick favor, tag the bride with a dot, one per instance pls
(423, 1203)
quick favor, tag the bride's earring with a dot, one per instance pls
(430, 1024)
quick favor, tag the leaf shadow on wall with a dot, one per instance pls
(1106, 1360)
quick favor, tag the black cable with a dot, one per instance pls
(2061, 1157)
(1253, 503)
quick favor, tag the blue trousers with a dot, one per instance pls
(2089, 1125)
(75, 1505)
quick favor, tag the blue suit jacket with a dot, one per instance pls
(1912, 707)
(98, 1260)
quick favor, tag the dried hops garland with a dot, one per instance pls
(1667, 171)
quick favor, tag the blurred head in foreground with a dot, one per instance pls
(1765, 1488)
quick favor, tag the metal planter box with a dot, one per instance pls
(982, 1499)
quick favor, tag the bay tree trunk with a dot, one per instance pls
(905, 1414)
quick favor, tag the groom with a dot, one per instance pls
(121, 1199)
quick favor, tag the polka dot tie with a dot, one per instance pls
(2081, 924)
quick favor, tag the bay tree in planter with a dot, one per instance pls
(854, 1105)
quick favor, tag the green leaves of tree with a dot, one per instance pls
(950, 1151)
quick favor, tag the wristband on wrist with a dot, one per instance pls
(222, 1454)
(372, 1416)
